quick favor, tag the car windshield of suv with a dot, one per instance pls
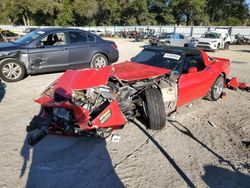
(28, 38)
(158, 58)
(212, 35)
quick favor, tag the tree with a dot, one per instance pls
(85, 11)
(65, 16)
(161, 11)
(187, 10)
(137, 13)
(110, 13)
(227, 12)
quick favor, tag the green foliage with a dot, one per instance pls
(124, 12)
(65, 17)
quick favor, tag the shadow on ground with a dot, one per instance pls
(59, 161)
(166, 155)
(2, 90)
(216, 177)
(247, 51)
(188, 133)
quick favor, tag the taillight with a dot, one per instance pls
(114, 46)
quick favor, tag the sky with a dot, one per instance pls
(248, 2)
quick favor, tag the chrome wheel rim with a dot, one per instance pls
(12, 71)
(218, 87)
(100, 62)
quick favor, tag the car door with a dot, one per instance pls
(191, 85)
(80, 49)
(49, 54)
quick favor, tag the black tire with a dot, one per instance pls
(98, 61)
(216, 90)
(226, 46)
(218, 47)
(154, 110)
(11, 70)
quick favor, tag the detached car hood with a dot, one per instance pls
(87, 78)
(131, 71)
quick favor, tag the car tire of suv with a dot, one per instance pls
(226, 46)
(12, 70)
(98, 61)
(154, 110)
(216, 90)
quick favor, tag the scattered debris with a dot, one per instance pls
(234, 84)
(212, 124)
(115, 138)
(246, 143)
(223, 95)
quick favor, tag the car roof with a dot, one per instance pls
(58, 29)
(175, 49)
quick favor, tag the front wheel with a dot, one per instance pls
(153, 109)
(216, 90)
(12, 70)
(98, 61)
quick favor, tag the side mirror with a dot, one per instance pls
(192, 70)
(40, 44)
(132, 59)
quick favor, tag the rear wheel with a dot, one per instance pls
(12, 70)
(98, 61)
(216, 90)
(153, 109)
(226, 46)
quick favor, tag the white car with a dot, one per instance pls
(214, 40)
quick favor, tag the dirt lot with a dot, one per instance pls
(189, 152)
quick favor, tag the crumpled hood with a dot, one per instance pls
(131, 71)
(87, 78)
(81, 79)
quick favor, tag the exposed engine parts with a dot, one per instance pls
(129, 96)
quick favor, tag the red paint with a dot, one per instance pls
(81, 79)
(131, 71)
(116, 117)
(233, 83)
(196, 85)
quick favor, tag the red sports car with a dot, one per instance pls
(160, 79)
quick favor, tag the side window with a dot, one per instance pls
(54, 39)
(77, 37)
(181, 36)
(91, 38)
(193, 60)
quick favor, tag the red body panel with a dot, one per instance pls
(196, 85)
(130, 71)
(113, 115)
(81, 79)
(190, 87)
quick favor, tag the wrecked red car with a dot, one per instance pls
(160, 79)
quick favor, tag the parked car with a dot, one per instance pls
(155, 83)
(54, 49)
(7, 36)
(214, 40)
(173, 39)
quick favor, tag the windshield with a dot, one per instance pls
(212, 35)
(158, 58)
(167, 36)
(28, 38)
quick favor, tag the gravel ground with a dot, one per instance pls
(190, 152)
